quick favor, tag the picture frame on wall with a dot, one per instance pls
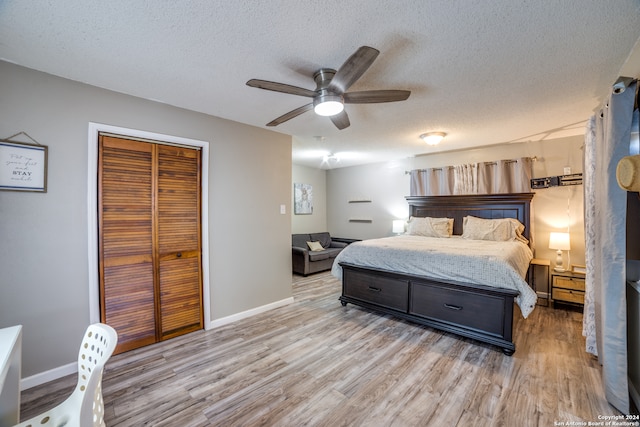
(302, 199)
(23, 166)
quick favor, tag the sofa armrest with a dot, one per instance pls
(300, 260)
(335, 244)
(299, 251)
(344, 240)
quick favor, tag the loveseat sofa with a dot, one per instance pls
(306, 261)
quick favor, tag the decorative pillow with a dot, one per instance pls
(499, 230)
(430, 227)
(315, 246)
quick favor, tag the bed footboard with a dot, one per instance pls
(479, 312)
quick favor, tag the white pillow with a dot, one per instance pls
(315, 246)
(430, 227)
(499, 230)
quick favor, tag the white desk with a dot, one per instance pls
(10, 367)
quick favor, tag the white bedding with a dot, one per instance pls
(482, 262)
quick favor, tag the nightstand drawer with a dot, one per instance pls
(568, 295)
(569, 283)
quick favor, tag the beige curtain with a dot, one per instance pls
(502, 176)
(466, 179)
(432, 182)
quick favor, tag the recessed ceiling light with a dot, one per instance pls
(433, 138)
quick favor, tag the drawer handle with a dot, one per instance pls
(371, 288)
(452, 307)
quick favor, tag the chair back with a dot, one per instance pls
(97, 346)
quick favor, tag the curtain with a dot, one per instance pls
(432, 182)
(466, 179)
(503, 176)
(605, 315)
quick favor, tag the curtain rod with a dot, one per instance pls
(534, 159)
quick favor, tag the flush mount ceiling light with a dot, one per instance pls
(331, 158)
(433, 138)
(328, 105)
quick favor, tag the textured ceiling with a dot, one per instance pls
(485, 72)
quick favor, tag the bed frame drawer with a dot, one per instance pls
(482, 312)
(383, 291)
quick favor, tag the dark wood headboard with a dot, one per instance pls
(489, 206)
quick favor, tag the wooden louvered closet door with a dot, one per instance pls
(149, 237)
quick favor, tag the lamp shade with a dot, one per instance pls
(398, 226)
(559, 241)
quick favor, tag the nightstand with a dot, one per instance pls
(567, 288)
(538, 279)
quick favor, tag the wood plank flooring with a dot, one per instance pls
(316, 363)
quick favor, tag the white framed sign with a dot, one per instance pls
(23, 167)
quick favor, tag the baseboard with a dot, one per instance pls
(71, 368)
(46, 376)
(245, 314)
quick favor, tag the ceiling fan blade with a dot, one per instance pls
(375, 96)
(281, 87)
(291, 114)
(341, 120)
(352, 69)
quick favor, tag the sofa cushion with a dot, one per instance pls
(324, 238)
(319, 256)
(300, 240)
(325, 254)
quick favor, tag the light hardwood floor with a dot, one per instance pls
(317, 363)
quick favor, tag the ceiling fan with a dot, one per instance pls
(331, 93)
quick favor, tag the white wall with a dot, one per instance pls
(386, 184)
(44, 237)
(317, 221)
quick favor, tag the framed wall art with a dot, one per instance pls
(23, 166)
(302, 199)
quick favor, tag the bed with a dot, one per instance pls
(468, 304)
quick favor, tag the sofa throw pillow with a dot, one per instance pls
(430, 227)
(315, 246)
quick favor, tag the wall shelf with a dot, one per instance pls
(363, 220)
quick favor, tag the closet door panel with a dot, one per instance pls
(180, 296)
(130, 304)
(126, 245)
(178, 239)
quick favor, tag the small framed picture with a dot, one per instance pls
(23, 167)
(578, 269)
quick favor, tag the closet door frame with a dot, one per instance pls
(92, 207)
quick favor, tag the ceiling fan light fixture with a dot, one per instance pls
(433, 138)
(328, 105)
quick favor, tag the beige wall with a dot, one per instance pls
(317, 221)
(386, 184)
(44, 236)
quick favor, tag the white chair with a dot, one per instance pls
(84, 408)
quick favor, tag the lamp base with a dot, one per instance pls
(559, 263)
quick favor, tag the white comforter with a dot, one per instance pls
(497, 264)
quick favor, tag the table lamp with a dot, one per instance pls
(560, 242)
(398, 226)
